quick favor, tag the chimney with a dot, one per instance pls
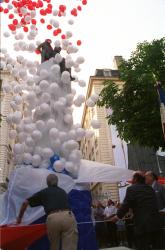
(117, 61)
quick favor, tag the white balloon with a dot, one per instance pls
(95, 124)
(57, 43)
(18, 148)
(82, 83)
(89, 133)
(7, 88)
(33, 13)
(90, 103)
(6, 34)
(22, 137)
(72, 134)
(69, 34)
(94, 97)
(45, 97)
(36, 160)
(44, 73)
(58, 166)
(9, 118)
(69, 99)
(13, 134)
(18, 99)
(55, 69)
(71, 145)
(44, 85)
(55, 23)
(80, 60)
(53, 133)
(63, 136)
(54, 88)
(47, 153)
(17, 116)
(44, 164)
(17, 89)
(68, 119)
(56, 144)
(29, 128)
(27, 158)
(65, 77)
(29, 142)
(58, 58)
(28, 149)
(51, 123)
(69, 166)
(80, 133)
(71, 21)
(36, 135)
(58, 106)
(45, 108)
(40, 125)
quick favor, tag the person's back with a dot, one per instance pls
(144, 206)
(51, 198)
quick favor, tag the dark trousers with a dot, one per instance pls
(112, 233)
(148, 241)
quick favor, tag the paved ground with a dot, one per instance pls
(116, 248)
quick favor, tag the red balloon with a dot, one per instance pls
(6, 11)
(74, 12)
(37, 51)
(62, 8)
(79, 42)
(84, 2)
(6, 1)
(40, 3)
(15, 21)
(43, 12)
(48, 11)
(42, 20)
(25, 29)
(79, 8)
(55, 33)
(11, 16)
(63, 36)
(49, 6)
(12, 27)
(59, 30)
(49, 27)
(34, 21)
(1, 9)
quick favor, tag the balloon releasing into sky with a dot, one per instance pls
(27, 16)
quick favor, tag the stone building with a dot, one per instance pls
(100, 147)
(6, 163)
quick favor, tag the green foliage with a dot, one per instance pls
(136, 110)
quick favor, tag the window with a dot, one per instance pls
(107, 73)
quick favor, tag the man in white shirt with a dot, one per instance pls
(109, 212)
(110, 209)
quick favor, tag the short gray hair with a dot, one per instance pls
(52, 180)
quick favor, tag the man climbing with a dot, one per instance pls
(46, 50)
(63, 67)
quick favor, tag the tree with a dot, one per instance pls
(136, 110)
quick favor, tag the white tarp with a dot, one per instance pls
(25, 181)
(91, 171)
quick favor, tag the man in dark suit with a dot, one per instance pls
(142, 200)
(152, 180)
(46, 50)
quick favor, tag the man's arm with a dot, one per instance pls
(22, 211)
(127, 204)
(40, 47)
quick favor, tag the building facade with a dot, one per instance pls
(6, 161)
(100, 146)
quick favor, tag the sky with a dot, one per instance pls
(108, 28)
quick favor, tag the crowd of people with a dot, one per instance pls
(139, 222)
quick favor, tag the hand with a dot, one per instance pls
(114, 219)
(19, 220)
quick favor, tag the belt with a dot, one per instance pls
(58, 211)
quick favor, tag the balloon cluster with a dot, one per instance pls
(42, 98)
(24, 15)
